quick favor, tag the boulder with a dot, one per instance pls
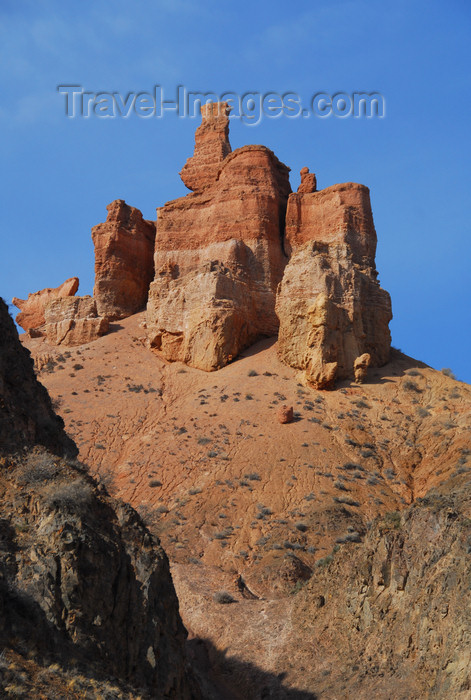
(32, 308)
(285, 414)
(74, 321)
(360, 367)
(124, 267)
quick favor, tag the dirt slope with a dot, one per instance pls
(230, 490)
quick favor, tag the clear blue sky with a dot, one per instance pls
(59, 174)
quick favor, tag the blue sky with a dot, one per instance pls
(59, 174)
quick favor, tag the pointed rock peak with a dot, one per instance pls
(123, 213)
(211, 147)
(308, 181)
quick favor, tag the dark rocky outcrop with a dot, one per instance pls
(26, 414)
(82, 581)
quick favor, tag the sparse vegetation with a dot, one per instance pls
(448, 372)
(223, 598)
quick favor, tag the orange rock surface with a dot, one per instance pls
(211, 147)
(337, 214)
(218, 261)
(32, 308)
(331, 308)
(124, 249)
(74, 321)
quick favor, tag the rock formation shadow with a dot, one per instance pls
(224, 677)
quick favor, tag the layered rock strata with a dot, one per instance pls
(218, 261)
(331, 308)
(32, 308)
(74, 321)
(211, 147)
(124, 267)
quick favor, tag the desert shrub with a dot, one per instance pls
(253, 476)
(413, 373)
(161, 509)
(340, 486)
(252, 373)
(411, 386)
(153, 483)
(325, 561)
(302, 527)
(346, 501)
(223, 598)
(77, 366)
(38, 468)
(222, 534)
(137, 388)
(203, 440)
(448, 372)
(422, 412)
(73, 495)
(248, 397)
(352, 466)
(195, 491)
(349, 537)
(392, 519)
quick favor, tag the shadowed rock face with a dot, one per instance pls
(331, 308)
(74, 321)
(81, 578)
(219, 259)
(26, 415)
(124, 249)
(32, 308)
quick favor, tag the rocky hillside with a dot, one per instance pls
(233, 380)
(87, 603)
(390, 618)
(232, 491)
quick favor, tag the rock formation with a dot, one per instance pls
(74, 321)
(211, 147)
(32, 308)
(124, 268)
(82, 581)
(26, 415)
(218, 257)
(330, 305)
(394, 615)
(214, 273)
